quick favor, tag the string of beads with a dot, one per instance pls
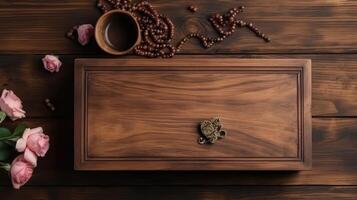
(158, 30)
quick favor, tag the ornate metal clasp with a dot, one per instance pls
(211, 131)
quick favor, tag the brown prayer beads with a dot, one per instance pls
(158, 30)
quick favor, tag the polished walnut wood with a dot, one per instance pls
(144, 114)
(323, 31)
(178, 193)
(333, 142)
(314, 26)
(334, 83)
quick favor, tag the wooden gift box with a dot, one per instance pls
(144, 114)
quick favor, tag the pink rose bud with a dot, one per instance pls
(51, 63)
(34, 143)
(85, 33)
(21, 171)
(11, 105)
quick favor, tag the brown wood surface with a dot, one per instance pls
(155, 114)
(164, 193)
(334, 83)
(153, 108)
(333, 147)
(318, 29)
(294, 26)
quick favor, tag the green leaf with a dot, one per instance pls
(4, 155)
(2, 116)
(5, 151)
(19, 130)
(4, 133)
(5, 167)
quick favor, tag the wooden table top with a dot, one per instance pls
(324, 31)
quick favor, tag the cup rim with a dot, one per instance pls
(107, 48)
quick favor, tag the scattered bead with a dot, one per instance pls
(192, 8)
(50, 105)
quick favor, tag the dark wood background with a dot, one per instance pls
(323, 30)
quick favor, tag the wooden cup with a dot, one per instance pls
(117, 32)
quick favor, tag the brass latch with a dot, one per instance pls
(211, 131)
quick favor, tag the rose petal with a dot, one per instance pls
(30, 157)
(37, 130)
(21, 145)
(26, 133)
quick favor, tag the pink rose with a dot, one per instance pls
(85, 33)
(21, 171)
(11, 105)
(51, 63)
(34, 143)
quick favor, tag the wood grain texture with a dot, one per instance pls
(334, 163)
(294, 26)
(334, 83)
(153, 108)
(26, 76)
(139, 110)
(307, 26)
(178, 193)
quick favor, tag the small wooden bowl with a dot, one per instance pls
(117, 32)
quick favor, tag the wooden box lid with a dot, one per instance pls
(141, 114)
